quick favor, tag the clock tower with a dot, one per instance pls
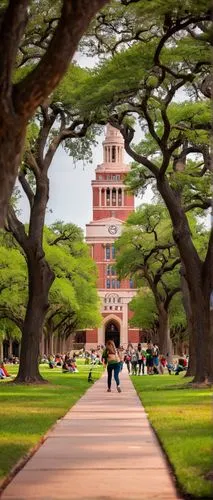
(111, 207)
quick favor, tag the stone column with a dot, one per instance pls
(110, 198)
(122, 202)
(101, 339)
(124, 339)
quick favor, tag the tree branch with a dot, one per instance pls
(35, 88)
(11, 31)
(128, 134)
(17, 229)
(170, 296)
(26, 187)
(6, 312)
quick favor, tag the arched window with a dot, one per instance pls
(113, 252)
(108, 196)
(114, 197)
(120, 197)
(113, 154)
(107, 252)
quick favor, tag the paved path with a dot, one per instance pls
(103, 449)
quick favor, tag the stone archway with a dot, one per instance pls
(112, 332)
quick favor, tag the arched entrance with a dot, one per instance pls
(112, 332)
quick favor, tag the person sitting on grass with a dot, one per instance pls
(69, 365)
(3, 371)
(180, 366)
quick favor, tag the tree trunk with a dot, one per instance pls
(198, 279)
(165, 343)
(11, 144)
(41, 349)
(191, 370)
(50, 343)
(40, 280)
(1, 351)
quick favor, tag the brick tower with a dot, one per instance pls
(111, 206)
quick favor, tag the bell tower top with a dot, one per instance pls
(113, 146)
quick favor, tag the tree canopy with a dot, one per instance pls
(155, 76)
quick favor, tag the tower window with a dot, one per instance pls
(113, 153)
(107, 252)
(108, 196)
(113, 271)
(120, 197)
(108, 283)
(114, 197)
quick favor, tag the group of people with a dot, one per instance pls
(136, 359)
(65, 361)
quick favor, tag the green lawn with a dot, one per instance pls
(27, 412)
(182, 418)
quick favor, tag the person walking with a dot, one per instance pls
(140, 355)
(149, 359)
(112, 360)
(134, 361)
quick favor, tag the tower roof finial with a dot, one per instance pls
(113, 135)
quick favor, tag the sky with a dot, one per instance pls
(70, 184)
(70, 189)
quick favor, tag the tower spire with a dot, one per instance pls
(113, 146)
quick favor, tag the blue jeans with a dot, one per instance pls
(110, 368)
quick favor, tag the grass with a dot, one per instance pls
(27, 412)
(182, 419)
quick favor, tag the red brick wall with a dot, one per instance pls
(95, 197)
(107, 212)
(92, 336)
(98, 252)
(129, 200)
(133, 336)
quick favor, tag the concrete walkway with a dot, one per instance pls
(103, 449)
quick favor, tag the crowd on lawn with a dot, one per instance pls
(65, 361)
(139, 360)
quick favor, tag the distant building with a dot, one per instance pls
(111, 207)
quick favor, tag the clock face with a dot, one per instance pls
(113, 229)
